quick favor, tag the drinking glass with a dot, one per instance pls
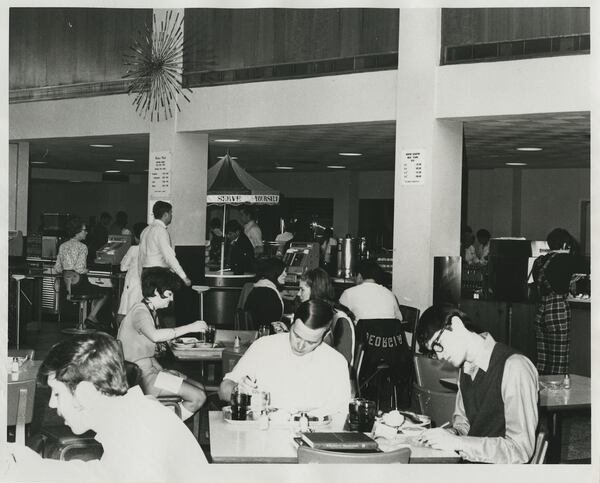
(239, 405)
(263, 330)
(210, 334)
(361, 414)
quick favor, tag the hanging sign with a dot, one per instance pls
(159, 175)
(413, 171)
(232, 199)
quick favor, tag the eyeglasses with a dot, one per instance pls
(436, 347)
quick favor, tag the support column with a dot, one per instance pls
(426, 215)
(18, 186)
(345, 208)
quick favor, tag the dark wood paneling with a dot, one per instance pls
(474, 25)
(61, 46)
(228, 39)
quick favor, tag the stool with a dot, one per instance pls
(80, 328)
(200, 289)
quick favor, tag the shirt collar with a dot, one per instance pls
(481, 357)
(160, 223)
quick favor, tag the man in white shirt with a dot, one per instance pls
(496, 413)
(367, 299)
(155, 243)
(296, 368)
(251, 229)
(142, 439)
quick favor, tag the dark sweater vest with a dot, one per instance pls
(482, 396)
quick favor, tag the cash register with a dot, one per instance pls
(298, 258)
(113, 251)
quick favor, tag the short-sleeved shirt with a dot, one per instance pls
(72, 255)
(136, 345)
(254, 233)
(370, 300)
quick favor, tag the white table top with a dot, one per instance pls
(578, 397)
(231, 443)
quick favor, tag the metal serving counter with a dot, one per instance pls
(220, 302)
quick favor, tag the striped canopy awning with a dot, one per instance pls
(228, 183)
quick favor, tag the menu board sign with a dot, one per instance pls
(159, 175)
(412, 167)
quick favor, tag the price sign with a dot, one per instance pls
(159, 175)
(413, 171)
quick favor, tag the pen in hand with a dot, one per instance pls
(445, 425)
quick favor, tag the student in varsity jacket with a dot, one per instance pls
(495, 415)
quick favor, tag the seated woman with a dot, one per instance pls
(132, 292)
(72, 256)
(143, 338)
(264, 302)
(316, 285)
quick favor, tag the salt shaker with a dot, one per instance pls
(303, 423)
(236, 343)
(567, 382)
(15, 365)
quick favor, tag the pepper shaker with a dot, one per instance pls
(567, 382)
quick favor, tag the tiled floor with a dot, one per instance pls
(576, 436)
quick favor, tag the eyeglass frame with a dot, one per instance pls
(436, 346)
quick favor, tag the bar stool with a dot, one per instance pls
(200, 289)
(82, 300)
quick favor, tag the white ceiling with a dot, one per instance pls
(490, 143)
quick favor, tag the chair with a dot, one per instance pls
(71, 277)
(410, 317)
(541, 446)
(306, 454)
(438, 405)
(428, 373)
(384, 364)
(342, 338)
(20, 397)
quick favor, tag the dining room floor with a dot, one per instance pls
(576, 431)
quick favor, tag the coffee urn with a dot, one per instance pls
(346, 257)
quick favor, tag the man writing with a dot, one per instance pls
(155, 243)
(296, 368)
(142, 439)
(496, 414)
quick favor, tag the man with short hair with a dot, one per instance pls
(142, 439)
(241, 253)
(368, 299)
(155, 243)
(495, 415)
(251, 229)
(296, 368)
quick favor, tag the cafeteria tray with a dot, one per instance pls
(197, 352)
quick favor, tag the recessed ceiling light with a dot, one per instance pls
(529, 149)
(101, 145)
(336, 166)
(39, 162)
(112, 171)
(350, 154)
(125, 160)
(284, 167)
(516, 164)
(75, 181)
(227, 140)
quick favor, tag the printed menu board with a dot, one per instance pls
(412, 167)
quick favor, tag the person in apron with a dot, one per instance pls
(552, 274)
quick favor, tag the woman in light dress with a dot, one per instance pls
(132, 291)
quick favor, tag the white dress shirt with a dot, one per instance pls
(254, 234)
(519, 391)
(369, 300)
(156, 250)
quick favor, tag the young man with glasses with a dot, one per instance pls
(495, 415)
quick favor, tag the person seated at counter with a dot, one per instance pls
(495, 415)
(142, 338)
(241, 252)
(297, 369)
(142, 439)
(264, 302)
(71, 261)
(315, 284)
(367, 299)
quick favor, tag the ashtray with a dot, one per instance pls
(551, 385)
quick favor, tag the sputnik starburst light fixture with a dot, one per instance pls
(155, 65)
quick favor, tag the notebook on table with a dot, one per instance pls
(339, 441)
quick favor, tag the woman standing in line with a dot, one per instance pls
(132, 291)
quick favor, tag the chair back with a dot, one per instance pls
(246, 289)
(20, 397)
(342, 337)
(541, 446)
(428, 372)
(410, 317)
(228, 336)
(438, 405)
(306, 454)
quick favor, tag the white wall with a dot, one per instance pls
(550, 198)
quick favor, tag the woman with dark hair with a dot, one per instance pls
(132, 291)
(71, 261)
(315, 284)
(264, 302)
(552, 274)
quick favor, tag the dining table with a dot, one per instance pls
(554, 401)
(246, 442)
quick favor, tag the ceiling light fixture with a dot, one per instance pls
(350, 154)
(101, 145)
(529, 149)
(39, 162)
(284, 167)
(516, 164)
(125, 160)
(227, 140)
(112, 171)
(336, 166)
